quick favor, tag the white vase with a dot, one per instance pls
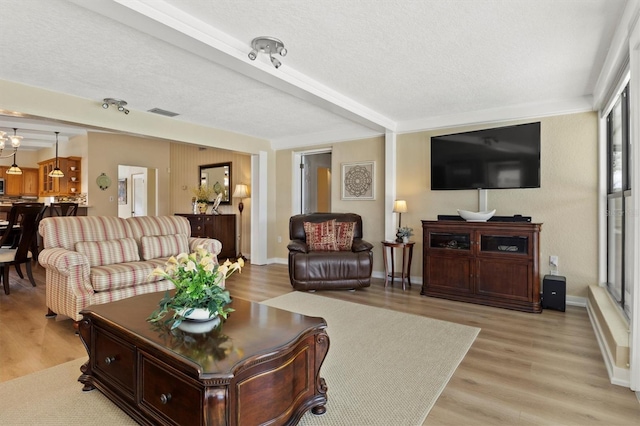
(198, 314)
(198, 321)
(405, 240)
(199, 326)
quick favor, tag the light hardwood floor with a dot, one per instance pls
(523, 369)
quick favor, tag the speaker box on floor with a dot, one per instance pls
(554, 292)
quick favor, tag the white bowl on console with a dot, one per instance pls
(476, 216)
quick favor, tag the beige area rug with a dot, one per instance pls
(383, 367)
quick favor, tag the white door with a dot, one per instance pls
(139, 205)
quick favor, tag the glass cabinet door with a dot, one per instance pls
(450, 241)
(518, 244)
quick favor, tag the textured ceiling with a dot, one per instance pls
(353, 69)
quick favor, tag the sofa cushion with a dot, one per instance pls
(163, 246)
(122, 275)
(158, 225)
(108, 252)
(344, 235)
(66, 231)
(321, 236)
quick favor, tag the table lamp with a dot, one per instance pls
(399, 206)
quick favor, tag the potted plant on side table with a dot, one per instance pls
(403, 234)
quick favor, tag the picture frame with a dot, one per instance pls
(359, 180)
(122, 191)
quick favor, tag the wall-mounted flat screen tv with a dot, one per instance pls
(499, 158)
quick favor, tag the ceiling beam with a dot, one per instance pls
(174, 26)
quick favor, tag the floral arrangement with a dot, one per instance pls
(203, 193)
(404, 231)
(200, 284)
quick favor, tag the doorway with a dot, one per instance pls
(313, 189)
(139, 188)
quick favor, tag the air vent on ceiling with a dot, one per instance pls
(163, 112)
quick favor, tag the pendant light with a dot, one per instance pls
(14, 169)
(56, 172)
(15, 142)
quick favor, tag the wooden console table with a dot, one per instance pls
(490, 263)
(262, 366)
(222, 227)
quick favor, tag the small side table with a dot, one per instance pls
(407, 254)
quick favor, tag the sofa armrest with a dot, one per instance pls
(212, 245)
(360, 245)
(298, 246)
(63, 261)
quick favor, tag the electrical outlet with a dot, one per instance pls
(279, 239)
(553, 261)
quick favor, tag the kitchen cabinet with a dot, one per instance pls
(12, 184)
(17, 185)
(67, 185)
(30, 181)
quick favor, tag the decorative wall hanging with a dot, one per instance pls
(358, 181)
(122, 191)
(103, 181)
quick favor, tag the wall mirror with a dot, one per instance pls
(218, 177)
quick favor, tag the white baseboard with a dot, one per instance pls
(617, 376)
(577, 301)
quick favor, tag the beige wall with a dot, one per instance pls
(566, 202)
(372, 211)
(185, 161)
(106, 151)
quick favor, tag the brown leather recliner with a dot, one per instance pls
(328, 270)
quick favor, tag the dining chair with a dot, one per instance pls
(16, 242)
(35, 248)
(64, 209)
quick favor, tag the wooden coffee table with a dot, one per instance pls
(261, 366)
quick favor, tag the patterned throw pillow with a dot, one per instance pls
(109, 252)
(344, 235)
(321, 236)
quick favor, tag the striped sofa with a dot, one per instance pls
(91, 260)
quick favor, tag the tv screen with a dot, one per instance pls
(499, 158)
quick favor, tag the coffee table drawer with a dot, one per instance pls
(170, 395)
(115, 360)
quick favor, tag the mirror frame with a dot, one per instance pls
(213, 166)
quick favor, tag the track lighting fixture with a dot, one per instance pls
(270, 46)
(276, 63)
(118, 103)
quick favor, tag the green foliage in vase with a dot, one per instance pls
(404, 231)
(200, 283)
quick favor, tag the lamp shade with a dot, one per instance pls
(399, 206)
(56, 173)
(241, 191)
